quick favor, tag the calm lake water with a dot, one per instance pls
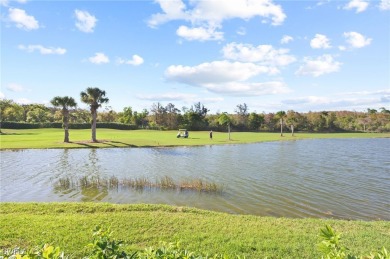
(327, 178)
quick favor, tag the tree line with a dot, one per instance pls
(195, 117)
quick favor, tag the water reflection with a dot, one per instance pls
(339, 178)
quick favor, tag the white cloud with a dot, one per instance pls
(226, 77)
(319, 66)
(378, 92)
(217, 11)
(263, 54)
(99, 58)
(207, 16)
(286, 39)
(356, 40)
(85, 21)
(321, 103)
(168, 97)
(215, 72)
(22, 19)
(135, 61)
(248, 89)
(13, 87)
(384, 5)
(307, 100)
(2, 96)
(320, 41)
(359, 5)
(6, 2)
(199, 33)
(43, 50)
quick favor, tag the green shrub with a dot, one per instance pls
(331, 247)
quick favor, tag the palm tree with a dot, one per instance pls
(64, 102)
(225, 119)
(94, 97)
(281, 115)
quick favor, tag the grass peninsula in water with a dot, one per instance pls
(111, 138)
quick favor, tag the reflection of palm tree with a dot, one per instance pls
(64, 102)
(280, 115)
(94, 97)
(94, 167)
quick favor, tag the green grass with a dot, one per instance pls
(70, 225)
(53, 138)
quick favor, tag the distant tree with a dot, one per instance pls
(384, 110)
(39, 114)
(65, 103)
(242, 115)
(172, 116)
(281, 115)
(255, 120)
(225, 119)
(107, 116)
(80, 116)
(126, 116)
(11, 111)
(195, 117)
(371, 111)
(158, 112)
(94, 97)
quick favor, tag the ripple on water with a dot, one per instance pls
(331, 178)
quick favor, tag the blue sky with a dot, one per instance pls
(271, 55)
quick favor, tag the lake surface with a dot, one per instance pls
(327, 178)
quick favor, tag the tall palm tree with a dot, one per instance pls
(225, 119)
(94, 97)
(65, 102)
(281, 115)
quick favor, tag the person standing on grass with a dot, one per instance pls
(211, 134)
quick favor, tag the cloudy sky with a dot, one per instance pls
(271, 55)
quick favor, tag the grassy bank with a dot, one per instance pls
(69, 226)
(53, 138)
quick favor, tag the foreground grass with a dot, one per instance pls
(53, 138)
(69, 226)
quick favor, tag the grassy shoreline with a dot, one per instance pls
(110, 138)
(69, 226)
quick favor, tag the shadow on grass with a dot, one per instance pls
(122, 144)
(82, 144)
(102, 142)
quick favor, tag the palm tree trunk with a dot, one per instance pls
(66, 138)
(229, 130)
(281, 127)
(94, 115)
(65, 122)
(292, 130)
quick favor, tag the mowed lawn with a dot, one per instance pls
(70, 225)
(53, 138)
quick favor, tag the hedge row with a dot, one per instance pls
(25, 125)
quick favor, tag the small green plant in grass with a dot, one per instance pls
(105, 247)
(331, 247)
